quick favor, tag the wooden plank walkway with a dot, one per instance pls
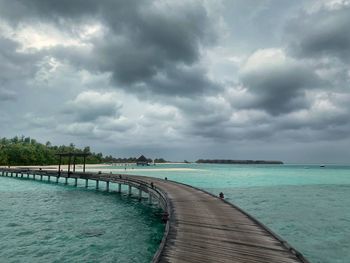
(203, 228)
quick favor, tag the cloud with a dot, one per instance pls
(120, 124)
(6, 95)
(324, 32)
(15, 66)
(168, 75)
(183, 81)
(277, 81)
(78, 129)
(147, 46)
(34, 121)
(327, 110)
(91, 105)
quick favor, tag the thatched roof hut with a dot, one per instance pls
(142, 160)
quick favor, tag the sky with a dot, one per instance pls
(189, 79)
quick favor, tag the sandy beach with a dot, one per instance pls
(104, 168)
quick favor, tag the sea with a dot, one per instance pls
(307, 205)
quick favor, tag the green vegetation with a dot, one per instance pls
(110, 159)
(26, 151)
(160, 160)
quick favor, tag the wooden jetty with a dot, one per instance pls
(200, 227)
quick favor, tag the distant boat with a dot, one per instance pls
(322, 166)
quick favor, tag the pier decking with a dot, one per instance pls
(201, 227)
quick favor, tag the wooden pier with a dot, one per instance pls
(200, 227)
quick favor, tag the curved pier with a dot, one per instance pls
(200, 228)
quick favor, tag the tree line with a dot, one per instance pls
(28, 151)
(111, 159)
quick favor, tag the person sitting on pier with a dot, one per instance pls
(221, 195)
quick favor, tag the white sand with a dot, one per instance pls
(144, 170)
(106, 167)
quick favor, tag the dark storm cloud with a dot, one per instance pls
(323, 33)
(147, 44)
(16, 68)
(278, 91)
(21, 10)
(226, 131)
(15, 65)
(183, 81)
(278, 88)
(157, 50)
(180, 89)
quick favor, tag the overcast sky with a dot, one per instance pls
(235, 79)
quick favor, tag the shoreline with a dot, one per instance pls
(102, 167)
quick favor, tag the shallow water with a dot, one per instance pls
(42, 222)
(305, 204)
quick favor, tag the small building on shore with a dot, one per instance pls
(142, 160)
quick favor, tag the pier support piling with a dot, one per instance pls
(59, 165)
(129, 192)
(107, 186)
(69, 163)
(66, 180)
(57, 178)
(119, 188)
(84, 163)
(76, 182)
(140, 194)
(97, 184)
(86, 183)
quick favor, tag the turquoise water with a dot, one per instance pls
(306, 205)
(43, 222)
